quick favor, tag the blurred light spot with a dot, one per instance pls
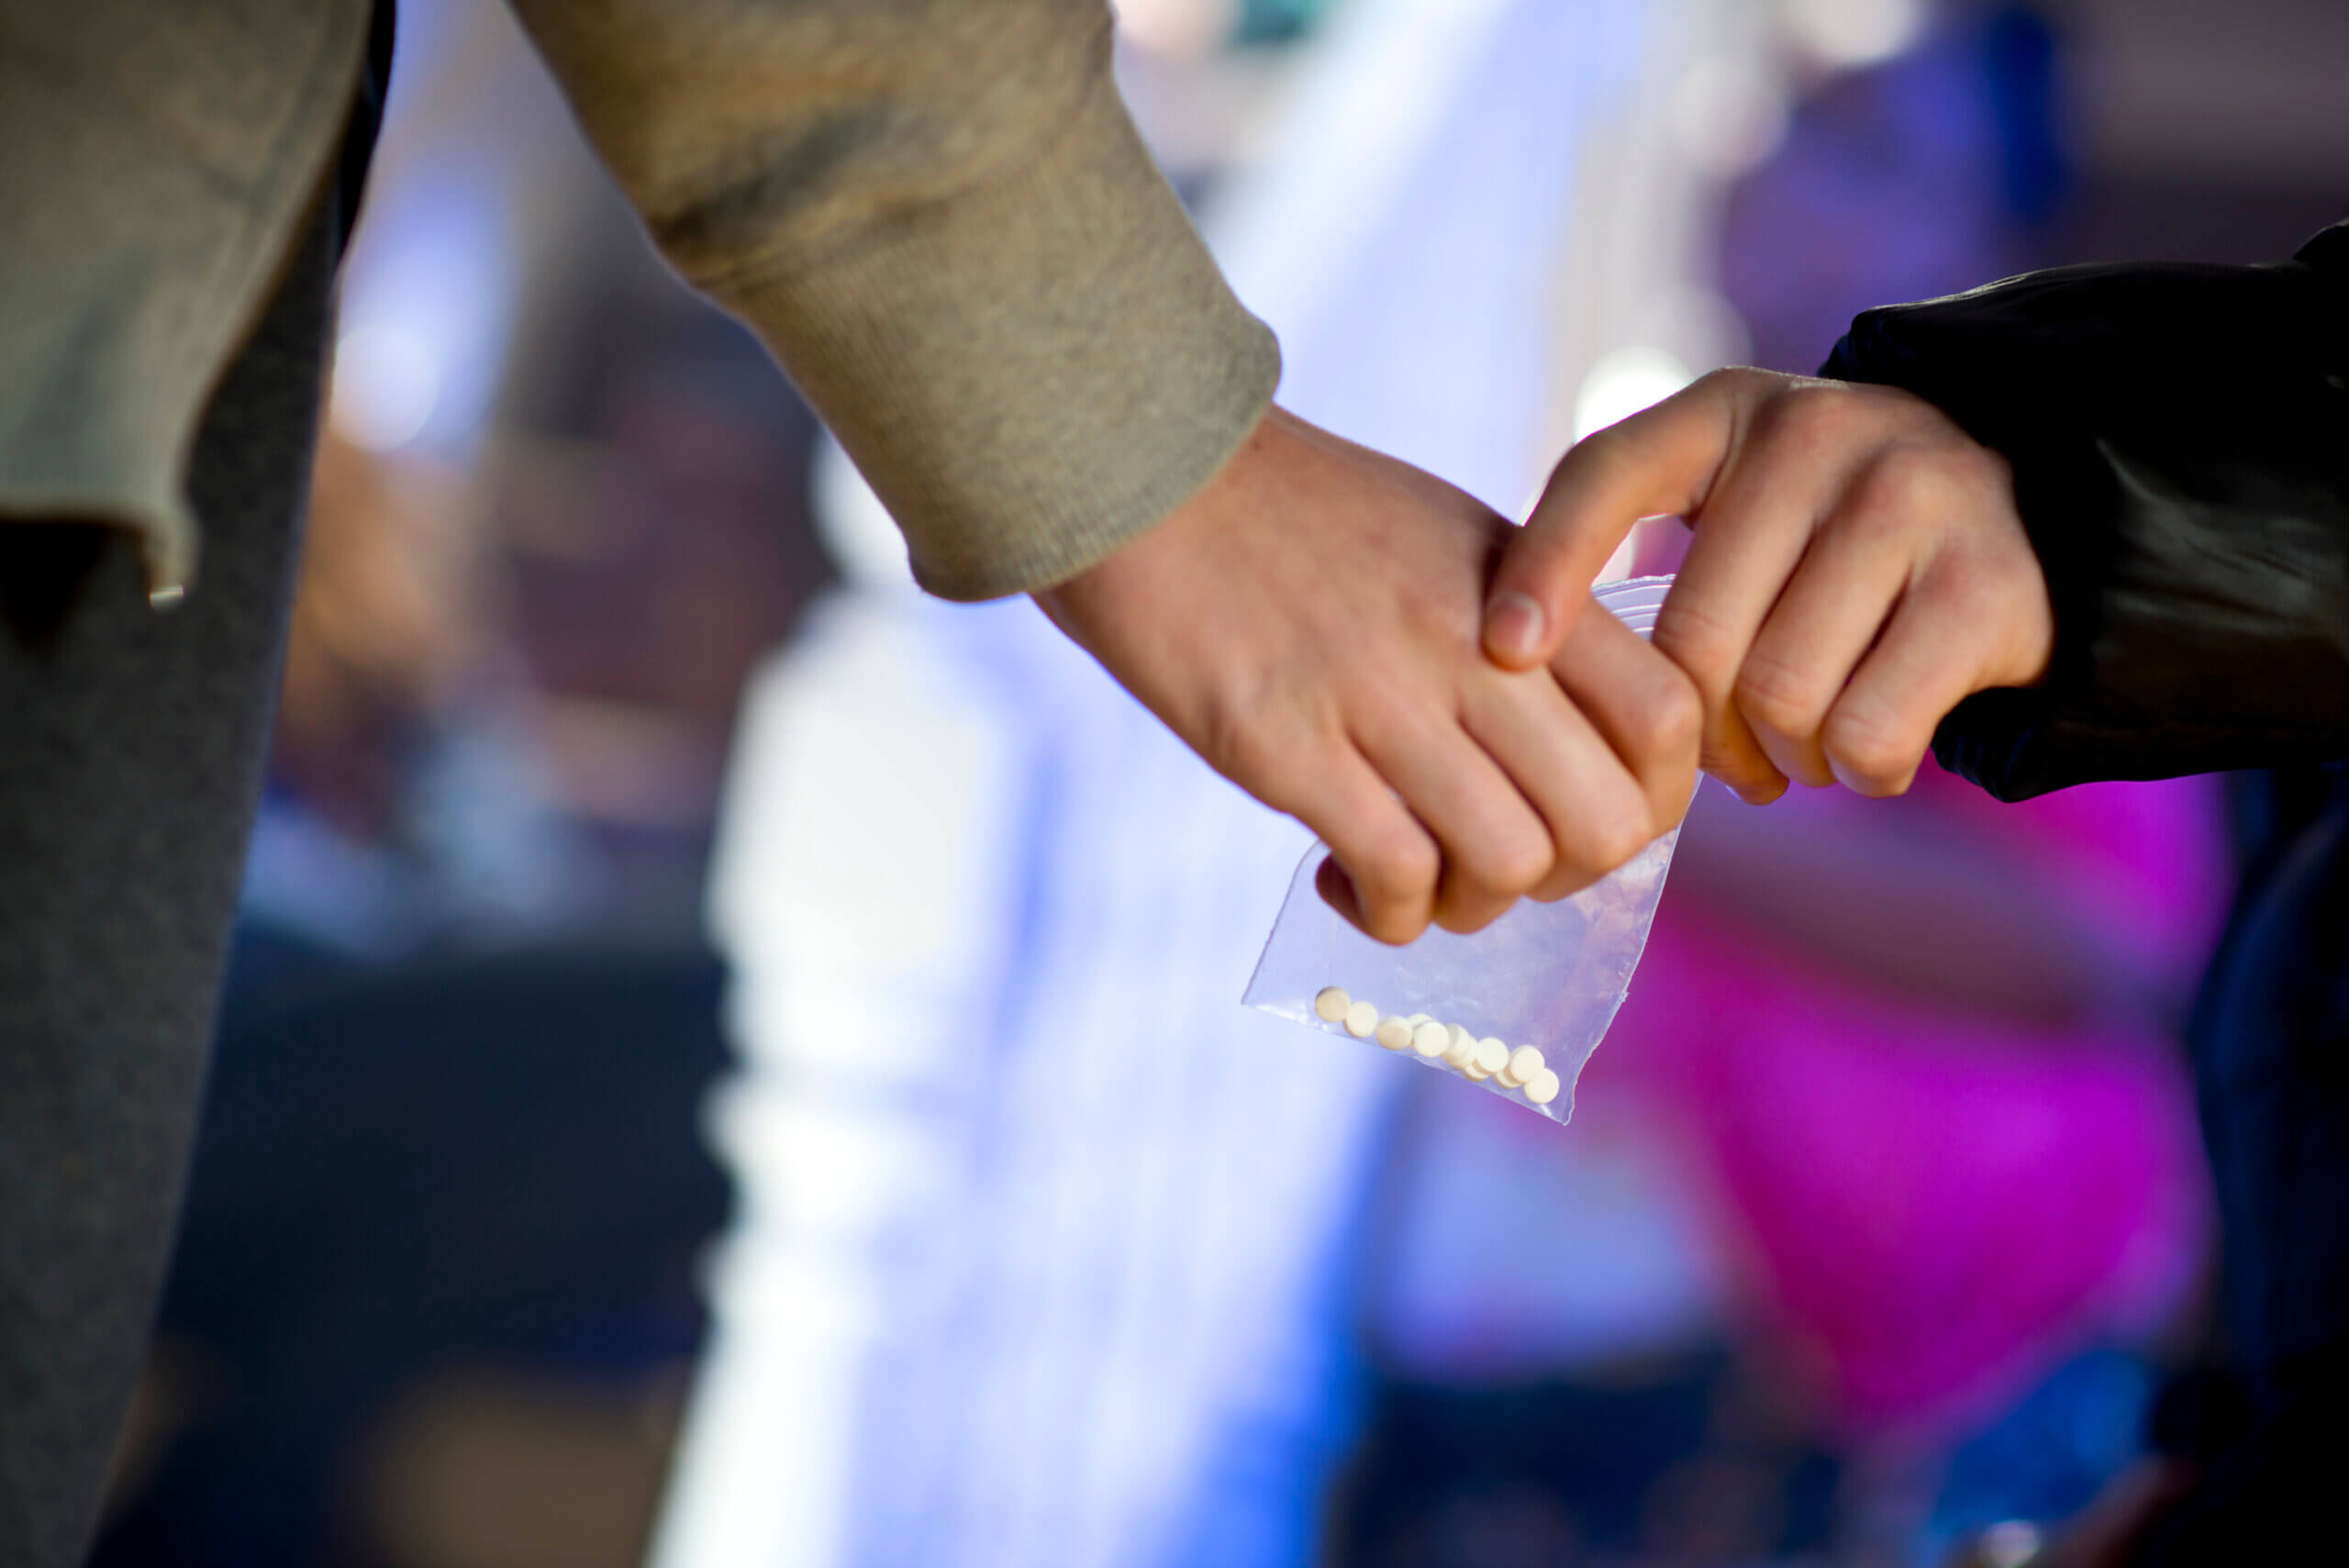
(1624, 383)
(1698, 325)
(1730, 113)
(1177, 29)
(387, 384)
(1847, 33)
(2010, 1543)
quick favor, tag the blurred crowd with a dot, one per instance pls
(732, 1063)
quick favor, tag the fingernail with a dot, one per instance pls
(1513, 624)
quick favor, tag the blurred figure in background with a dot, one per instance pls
(400, 812)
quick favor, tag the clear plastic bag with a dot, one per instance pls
(1545, 975)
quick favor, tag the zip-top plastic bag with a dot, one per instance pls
(1518, 1007)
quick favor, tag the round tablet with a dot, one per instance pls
(1473, 1074)
(1542, 1087)
(1460, 1047)
(1361, 1018)
(1490, 1058)
(1394, 1033)
(1330, 1006)
(1525, 1063)
(1431, 1039)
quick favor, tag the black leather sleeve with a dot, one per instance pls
(2179, 436)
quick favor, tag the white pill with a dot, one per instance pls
(1473, 1074)
(1460, 1048)
(1524, 1063)
(1416, 1019)
(1542, 1087)
(1361, 1018)
(1332, 1005)
(1490, 1058)
(1394, 1033)
(1431, 1039)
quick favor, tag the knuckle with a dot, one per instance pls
(1431, 619)
(1704, 646)
(1670, 722)
(2006, 572)
(1249, 759)
(1390, 916)
(1511, 863)
(1904, 483)
(1876, 516)
(1870, 746)
(1984, 468)
(1972, 588)
(1733, 383)
(1599, 450)
(1963, 580)
(1607, 835)
(1777, 695)
(2020, 596)
(1617, 840)
(1572, 458)
(1401, 869)
(1258, 740)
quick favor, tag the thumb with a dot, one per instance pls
(1660, 460)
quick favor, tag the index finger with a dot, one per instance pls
(1661, 459)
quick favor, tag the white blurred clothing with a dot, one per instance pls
(1042, 1216)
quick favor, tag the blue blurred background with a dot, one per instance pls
(729, 1063)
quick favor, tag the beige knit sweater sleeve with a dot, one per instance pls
(939, 219)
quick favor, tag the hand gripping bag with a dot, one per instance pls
(1545, 975)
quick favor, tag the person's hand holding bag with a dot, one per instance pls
(1857, 569)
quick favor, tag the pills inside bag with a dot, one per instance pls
(1517, 1007)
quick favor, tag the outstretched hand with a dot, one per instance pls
(1858, 569)
(1309, 624)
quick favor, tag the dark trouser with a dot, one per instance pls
(131, 748)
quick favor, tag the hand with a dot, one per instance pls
(1307, 623)
(1858, 569)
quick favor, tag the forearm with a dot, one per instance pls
(2179, 438)
(939, 219)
